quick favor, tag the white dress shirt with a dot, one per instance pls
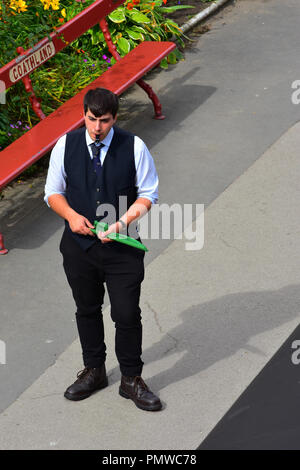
(146, 176)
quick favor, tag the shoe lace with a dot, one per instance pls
(83, 373)
(138, 381)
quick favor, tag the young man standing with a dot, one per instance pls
(90, 168)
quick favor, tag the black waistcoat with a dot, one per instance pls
(86, 192)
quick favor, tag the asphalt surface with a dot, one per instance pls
(213, 317)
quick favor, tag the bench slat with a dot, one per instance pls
(42, 137)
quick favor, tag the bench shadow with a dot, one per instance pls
(215, 330)
(179, 101)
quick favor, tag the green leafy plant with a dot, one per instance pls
(137, 21)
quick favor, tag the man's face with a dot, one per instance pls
(98, 125)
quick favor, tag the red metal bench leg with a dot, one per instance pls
(153, 97)
(147, 88)
(35, 103)
(3, 250)
(111, 46)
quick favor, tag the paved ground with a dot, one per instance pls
(213, 317)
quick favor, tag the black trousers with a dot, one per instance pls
(121, 268)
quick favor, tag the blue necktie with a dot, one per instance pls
(96, 147)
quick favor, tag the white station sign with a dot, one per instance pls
(31, 62)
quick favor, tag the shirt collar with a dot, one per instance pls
(105, 141)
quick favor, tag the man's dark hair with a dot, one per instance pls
(101, 101)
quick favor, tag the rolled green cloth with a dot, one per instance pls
(118, 237)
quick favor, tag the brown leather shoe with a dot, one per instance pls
(89, 380)
(136, 389)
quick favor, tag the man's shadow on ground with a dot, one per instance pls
(215, 330)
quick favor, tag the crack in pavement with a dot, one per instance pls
(155, 317)
(228, 245)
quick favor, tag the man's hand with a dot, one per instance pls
(140, 207)
(80, 224)
(114, 228)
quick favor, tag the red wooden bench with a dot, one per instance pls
(128, 70)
